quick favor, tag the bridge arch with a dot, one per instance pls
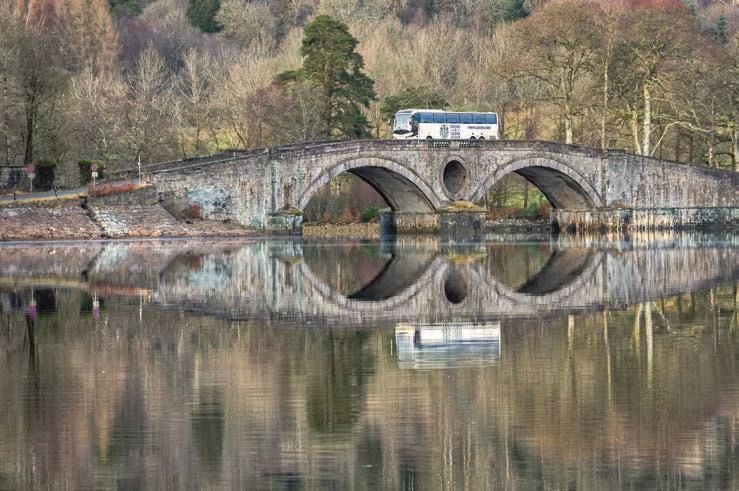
(401, 187)
(563, 186)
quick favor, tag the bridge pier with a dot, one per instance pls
(626, 221)
(288, 222)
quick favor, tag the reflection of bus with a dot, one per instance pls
(447, 345)
(432, 124)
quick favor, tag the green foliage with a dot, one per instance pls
(331, 63)
(412, 97)
(691, 6)
(505, 11)
(86, 171)
(369, 214)
(202, 14)
(720, 29)
(45, 170)
(124, 8)
(532, 211)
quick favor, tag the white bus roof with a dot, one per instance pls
(441, 111)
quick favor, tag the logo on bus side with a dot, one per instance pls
(444, 131)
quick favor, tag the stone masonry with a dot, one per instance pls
(422, 177)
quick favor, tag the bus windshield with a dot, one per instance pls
(402, 123)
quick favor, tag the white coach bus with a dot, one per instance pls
(433, 124)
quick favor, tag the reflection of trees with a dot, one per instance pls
(514, 264)
(338, 373)
(180, 401)
(345, 268)
(207, 422)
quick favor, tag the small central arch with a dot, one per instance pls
(563, 186)
(400, 187)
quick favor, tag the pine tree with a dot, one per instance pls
(202, 14)
(513, 10)
(412, 97)
(721, 29)
(331, 63)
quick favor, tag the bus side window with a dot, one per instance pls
(415, 118)
(439, 118)
(465, 118)
(491, 118)
(452, 118)
(427, 117)
(478, 118)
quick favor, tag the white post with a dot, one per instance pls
(139, 168)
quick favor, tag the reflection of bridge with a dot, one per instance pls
(420, 177)
(275, 280)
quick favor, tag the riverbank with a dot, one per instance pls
(68, 219)
(137, 213)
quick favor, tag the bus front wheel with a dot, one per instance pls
(472, 138)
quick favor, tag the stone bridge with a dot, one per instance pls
(586, 186)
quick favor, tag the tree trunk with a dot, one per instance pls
(677, 145)
(647, 126)
(606, 63)
(30, 117)
(635, 131)
(568, 126)
(6, 127)
(525, 194)
(735, 147)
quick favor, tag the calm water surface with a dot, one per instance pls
(411, 365)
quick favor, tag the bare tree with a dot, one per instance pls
(557, 47)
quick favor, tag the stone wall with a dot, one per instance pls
(630, 221)
(13, 177)
(645, 183)
(144, 195)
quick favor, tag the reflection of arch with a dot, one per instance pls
(387, 305)
(401, 187)
(544, 289)
(563, 186)
(561, 279)
(562, 268)
(399, 273)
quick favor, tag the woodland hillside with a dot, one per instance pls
(115, 80)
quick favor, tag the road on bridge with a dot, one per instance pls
(44, 196)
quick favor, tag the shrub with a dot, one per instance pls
(533, 211)
(369, 214)
(86, 171)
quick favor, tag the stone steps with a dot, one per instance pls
(136, 221)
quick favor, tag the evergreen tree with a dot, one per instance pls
(505, 11)
(721, 29)
(412, 97)
(202, 14)
(331, 63)
(124, 8)
(513, 10)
